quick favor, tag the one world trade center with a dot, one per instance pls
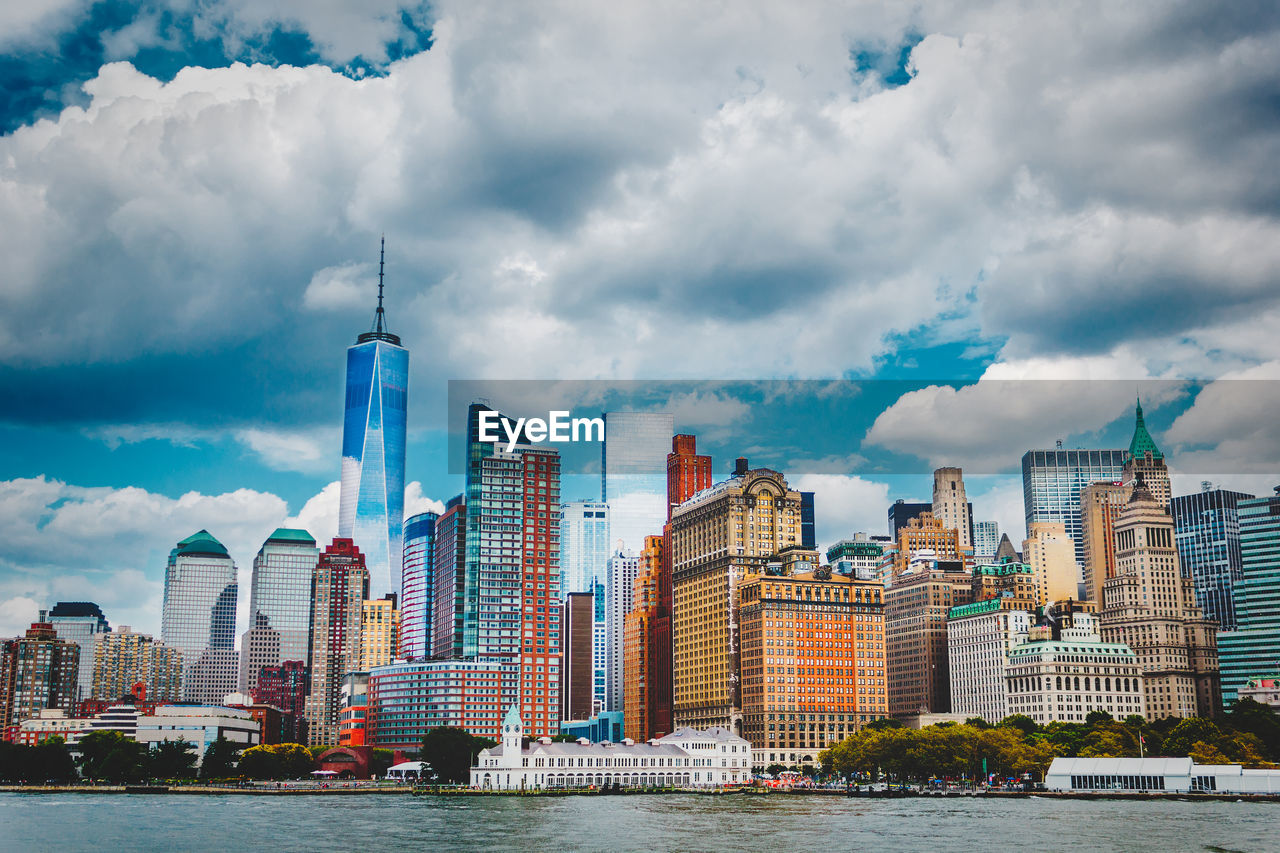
(371, 505)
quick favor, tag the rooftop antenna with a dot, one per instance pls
(382, 257)
(380, 331)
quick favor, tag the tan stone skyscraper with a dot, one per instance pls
(1151, 607)
(1145, 458)
(720, 537)
(1100, 503)
(1052, 557)
(928, 533)
(950, 504)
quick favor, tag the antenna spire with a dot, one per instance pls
(382, 257)
(380, 331)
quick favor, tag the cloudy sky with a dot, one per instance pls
(191, 196)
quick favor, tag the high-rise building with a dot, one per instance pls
(688, 472)
(449, 576)
(986, 539)
(1052, 481)
(584, 545)
(79, 622)
(416, 604)
(279, 604)
(1253, 649)
(1206, 528)
(371, 502)
(901, 512)
(926, 534)
(37, 671)
(719, 537)
(858, 557)
(1100, 504)
(379, 632)
(950, 503)
(511, 601)
(916, 604)
(1150, 607)
(284, 686)
(577, 668)
(813, 659)
(340, 586)
(637, 653)
(123, 659)
(408, 699)
(199, 617)
(980, 636)
(633, 480)
(1052, 557)
(619, 593)
(1146, 459)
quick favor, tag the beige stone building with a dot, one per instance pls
(379, 632)
(916, 606)
(950, 505)
(1150, 607)
(720, 537)
(1100, 503)
(1052, 557)
(1146, 459)
(123, 658)
(927, 533)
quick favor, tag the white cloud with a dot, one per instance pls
(305, 450)
(416, 502)
(340, 287)
(844, 505)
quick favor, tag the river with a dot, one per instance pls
(142, 822)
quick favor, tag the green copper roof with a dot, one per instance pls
(1143, 443)
(201, 543)
(291, 534)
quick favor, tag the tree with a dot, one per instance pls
(1097, 716)
(451, 752)
(775, 769)
(381, 759)
(1207, 753)
(977, 723)
(219, 759)
(276, 761)
(1253, 717)
(172, 759)
(1187, 733)
(884, 723)
(111, 757)
(48, 761)
(1021, 722)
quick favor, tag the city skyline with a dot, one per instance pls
(870, 193)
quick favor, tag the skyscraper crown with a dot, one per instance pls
(379, 332)
(1142, 442)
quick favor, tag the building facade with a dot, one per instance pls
(79, 622)
(901, 512)
(916, 604)
(980, 636)
(633, 480)
(284, 686)
(37, 671)
(1206, 528)
(619, 595)
(584, 545)
(925, 533)
(1253, 649)
(408, 699)
(1052, 557)
(417, 606)
(1149, 607)
(950, 503)
(1100, 504)
(1062, 679)
(986, 539)
(123, 659)
(199, 617)
(379, 633)
(858, 557)
(340, 587)
(813, 661)
(1146, 461)
(371, 501)
(1052, 481)
(450, 578)
(199, 726)
(279, 604)
(637, 663)
(577, 667)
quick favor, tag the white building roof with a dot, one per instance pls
(1120, 767)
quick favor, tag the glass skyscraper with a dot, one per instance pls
(416, 602)
(199, 616)
(371, 505)
(1207, 533)
(1253, 649)
(1053, 479)
(279, 604)
(633, 480)
(584, 545)
(79, 622)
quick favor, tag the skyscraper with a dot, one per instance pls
(901, 512)
(1051, 556)
(37, 671)
(619, 593)
(1206, 527)
(340, 585)
(916, 604)
(1052, 481)
(199, 616)
(577, 673)
(584, 544)
(379, 633)
(634, 475)
(123, 658)
(950, 503)
(279, 604)
(1146, 458)
(371, 503)
(1253, 649)
(449, 577)
(1100, 504)
(417, 606)
(986, 539)
(79, 622)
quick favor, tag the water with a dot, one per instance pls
(98, 822)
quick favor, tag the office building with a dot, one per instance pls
(449, 576)
(1100, 504)
(858, 557)
(379, 632)
(638, 665)
(1253, 649)
(621, 581)
(122, 660)
(408, 699)
(341, 585)
(199, 617)
(1206, 529)
(79, 622)
(279, 604)
(353, 716)
(577, 669)
(688, 472)
(986, 539)
(950, 503)
(901, 512)
(1052, 481)
(1264, 691)
(584, 545)
(719, 537)
(633, 480)
(1052, 557)
(916, 604)
(1145, 460)
(371, 501)
(285, 686)
(1149, 607)
(813, 660)
(417, 606)
(980, 636)
(199, 726)
(1065, 670)
(37, 671)
(926, 534)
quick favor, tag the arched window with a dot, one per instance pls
(1059, 682)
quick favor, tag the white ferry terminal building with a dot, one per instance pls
(1158, 774)
(686, 758)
